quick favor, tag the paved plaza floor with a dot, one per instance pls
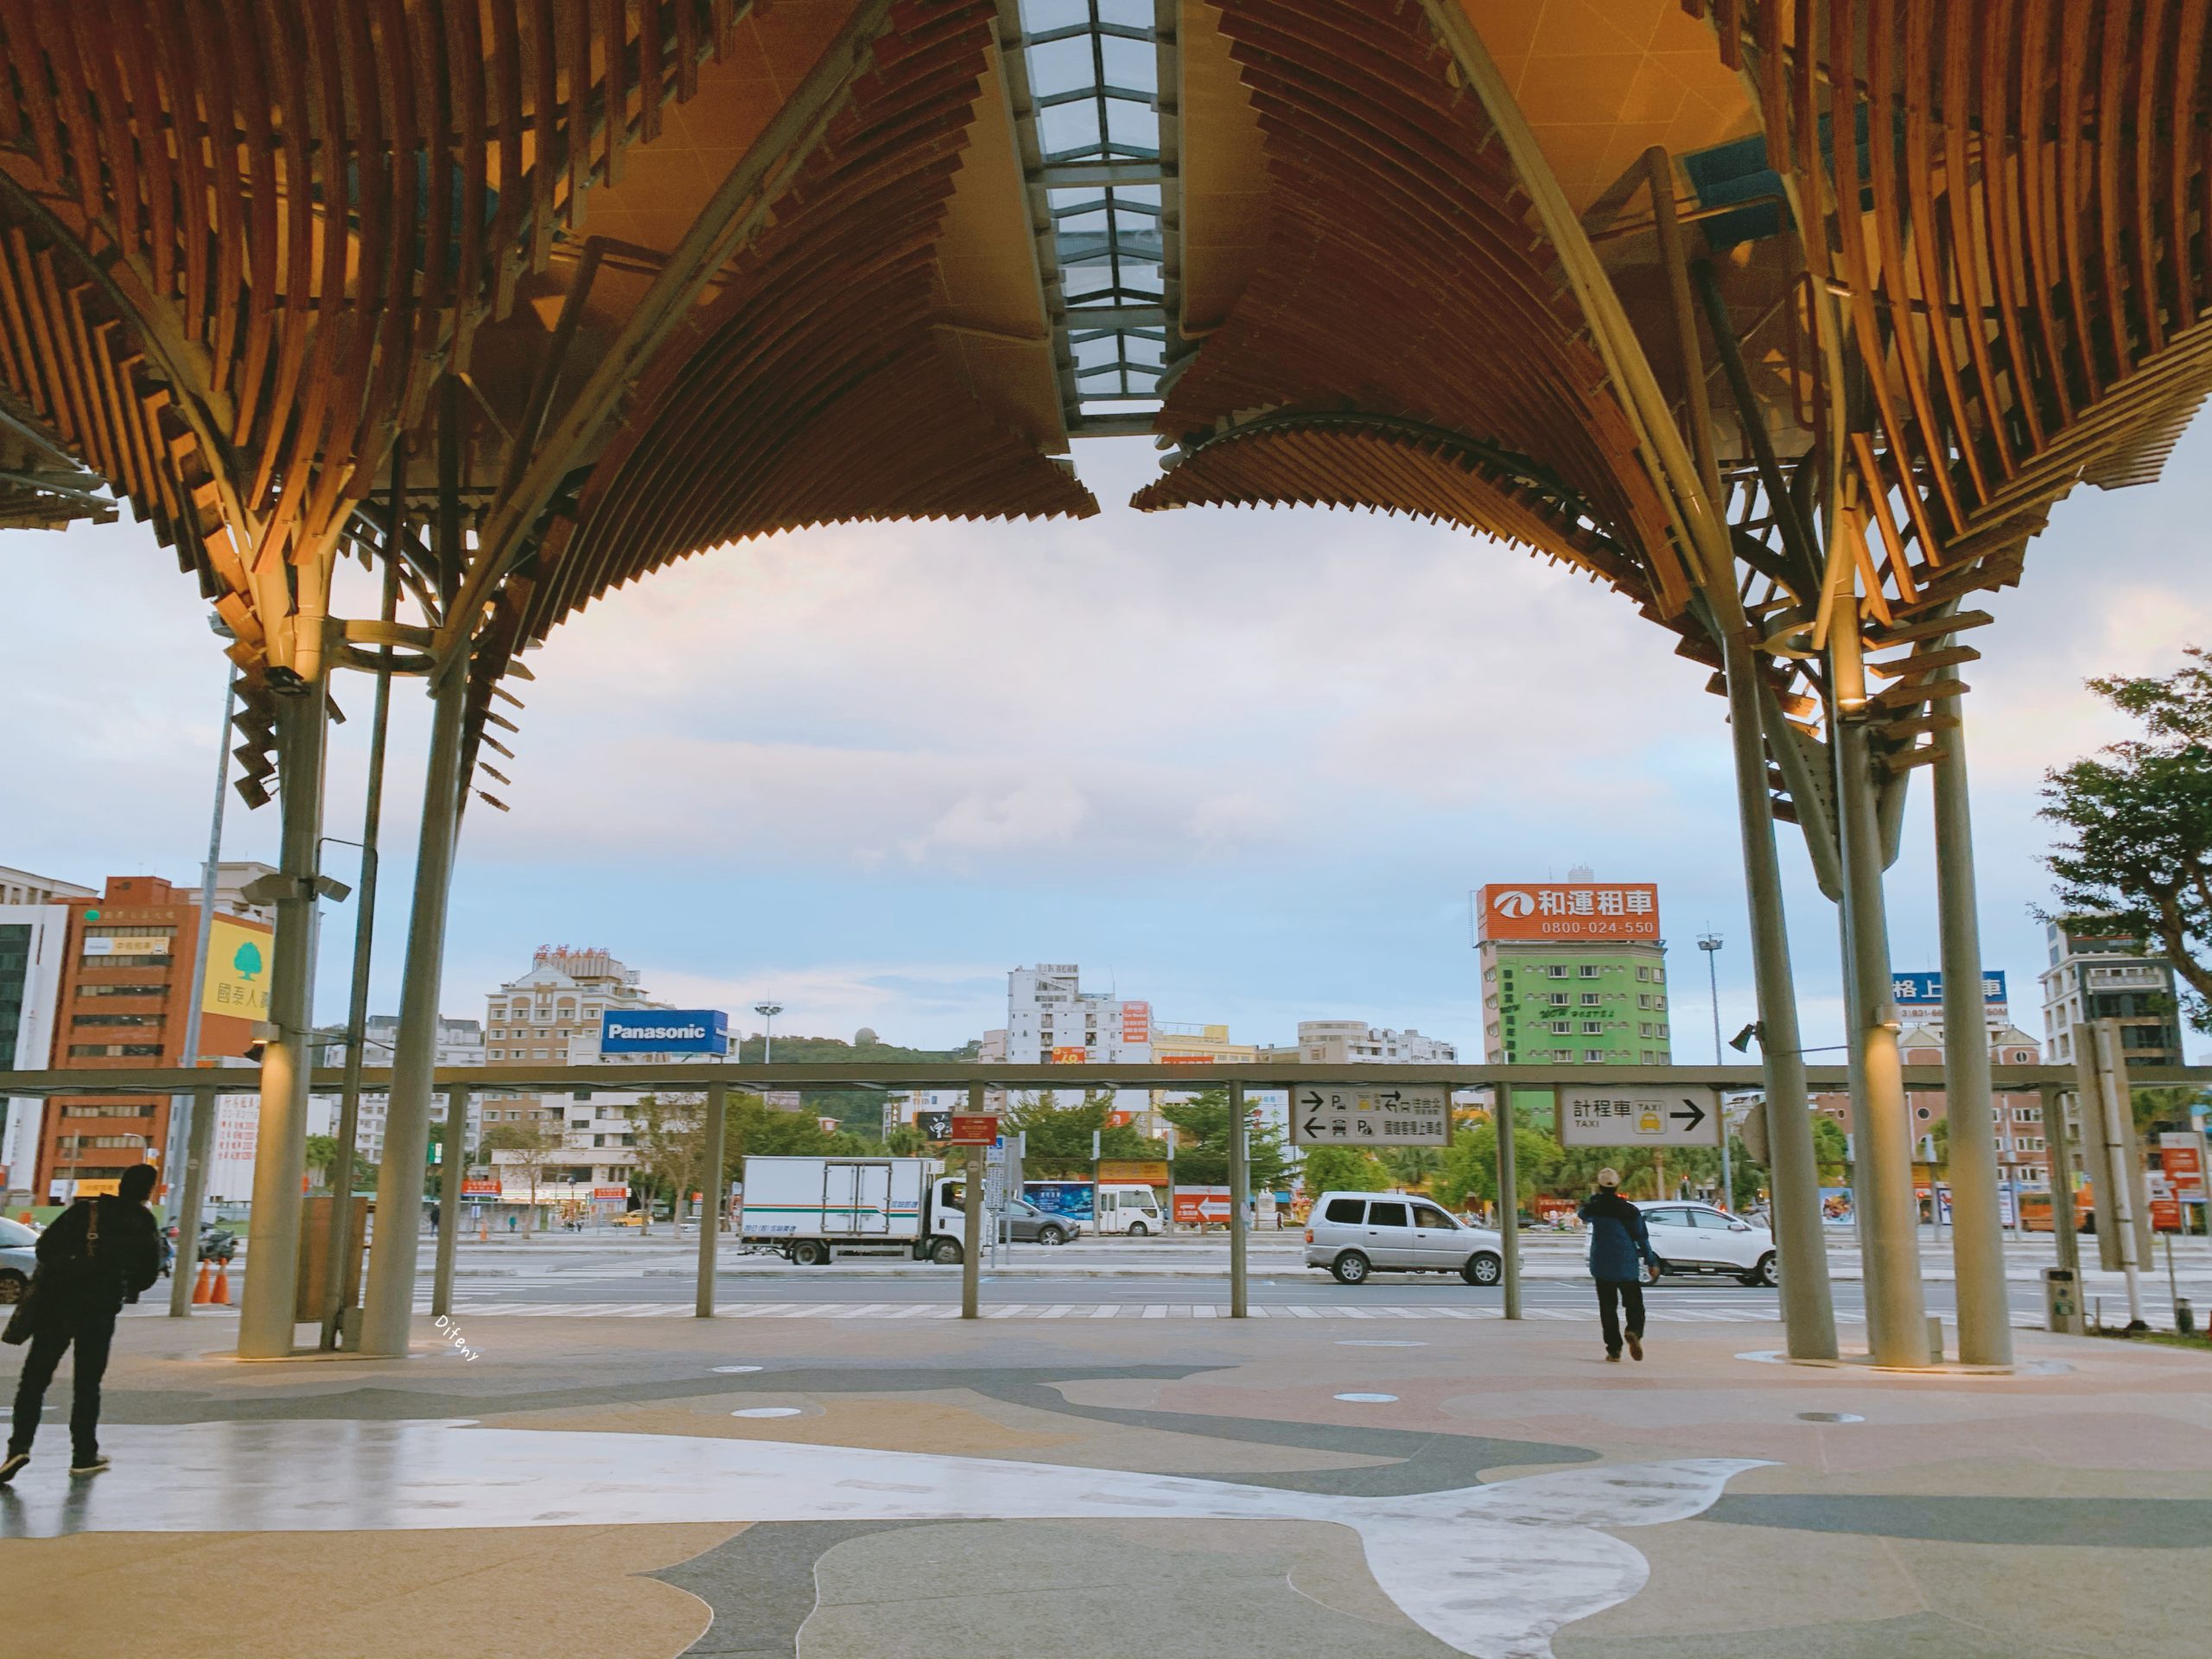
(867, 1488)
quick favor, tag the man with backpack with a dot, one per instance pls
(1619, 1245)
(99, 1253)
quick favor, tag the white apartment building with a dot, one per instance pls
(1354, 1042)
(2098, 972)
(34, 934)
(461, 1042)
(1049, 1018)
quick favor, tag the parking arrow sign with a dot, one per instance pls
(1330, 1114)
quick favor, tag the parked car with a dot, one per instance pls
(1698, 1238)
(1034, 1226)
(1354, 1234)
(17, 1259)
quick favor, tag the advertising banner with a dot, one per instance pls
(1068, 1057)
(237, 980)
(1134, 1171)
(1197, 1206)
(1570, 910)
(973, 1130)
(665, 1030)
(142, 945)
(1069, 1198)
(1136, 1022)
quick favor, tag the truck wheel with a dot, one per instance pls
(1351, 1268)
(1138, 1229)
(945, 1252)
(1483, 1269)
(810, 1253)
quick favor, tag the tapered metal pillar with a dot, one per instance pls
(971, 1219)
(453, 1162)
(1889, 1216)
(1977, 1219)
(1807, 1303)
(199, 1147)
(1509, 1200)
(388, 1298)
(267, 1306)
(185, 1109)
(1239, 1189)
(714, 1188)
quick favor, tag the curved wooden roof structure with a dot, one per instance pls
(1791, 317)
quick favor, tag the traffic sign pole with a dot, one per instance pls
(1509, 1202)
(1239, 1184)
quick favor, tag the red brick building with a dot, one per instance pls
(127, 986)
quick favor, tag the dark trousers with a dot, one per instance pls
(1612, 1295)
(93, 1333)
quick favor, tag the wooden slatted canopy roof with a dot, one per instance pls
(640, 277)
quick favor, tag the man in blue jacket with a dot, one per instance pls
(1618, 1246)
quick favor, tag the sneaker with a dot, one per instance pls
(1636, 1347)
(1612, 1359)
(13, 1467)
(91, 1466)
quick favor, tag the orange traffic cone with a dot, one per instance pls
(222, 1296)
(199, 1292)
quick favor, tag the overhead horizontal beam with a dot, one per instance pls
(1116, 319)
(1055, 175)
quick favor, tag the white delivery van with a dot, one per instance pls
(813, 1209)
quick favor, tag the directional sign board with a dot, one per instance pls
(1595, 1115)
(978, 1131)
(1351, 1114)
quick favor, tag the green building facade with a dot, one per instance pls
(1578, 1003)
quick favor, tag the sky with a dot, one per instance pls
(1245, 765)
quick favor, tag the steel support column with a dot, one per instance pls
(1240, 1184)
(185, 1109)
(1889, 1218)
(1509, 1194)
(267, 1308)
(197, 1148)
(1976, 1220)
(712, 1189)
(453, 1160)
(971, 1219)
(1807, 1303)
(389, 1296)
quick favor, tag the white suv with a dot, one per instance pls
(1698, 1238)
(1354, 1234)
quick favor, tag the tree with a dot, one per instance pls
(2137, 822)
(1202, 1144)
(1470, 1166)
(322, 1153)
(1412, 1167)
(1058, 1142)
(532, 1146)
(1831, 1150)
(1341, 1169)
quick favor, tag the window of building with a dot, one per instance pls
(1592, 1028)
(1643, 1000)
(1649, 1058)
(1556, 999)
(114, 1020)
(1662, 1028)
(1590, 999)
(538, 1053)
(1643, 1028)
(1562, 1026)
(1588, 970)
(123, 990)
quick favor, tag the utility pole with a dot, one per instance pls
(185, 1109)
(1710, 944)
(768, 1011)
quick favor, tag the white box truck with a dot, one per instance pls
(813, 1209)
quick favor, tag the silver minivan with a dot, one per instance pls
(1354, 1234)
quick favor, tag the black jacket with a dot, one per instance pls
(125, 1260)
(1617, 1238)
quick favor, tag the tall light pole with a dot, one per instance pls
(1710, 944)
(768, 1011)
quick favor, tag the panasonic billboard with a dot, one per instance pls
(665, 1030)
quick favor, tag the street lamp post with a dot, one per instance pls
(768, 1011)
(1710, 944)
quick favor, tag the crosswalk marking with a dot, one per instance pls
(873, 1311)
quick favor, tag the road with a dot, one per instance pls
(648, 1278)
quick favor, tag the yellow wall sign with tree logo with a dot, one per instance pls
(236, 981)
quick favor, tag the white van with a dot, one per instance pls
(1354, 1234)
